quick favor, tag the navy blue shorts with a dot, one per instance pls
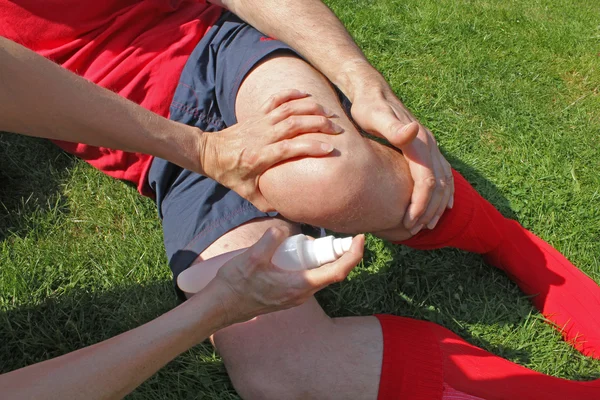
(196, 210)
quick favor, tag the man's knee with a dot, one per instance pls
(362, 186)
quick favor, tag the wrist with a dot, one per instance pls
(193, 148)
(184, 145)
(358, 77)
(207, 312)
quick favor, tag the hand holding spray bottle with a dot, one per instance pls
(295, 253)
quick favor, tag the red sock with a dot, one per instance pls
(563, 294)
(420, 358)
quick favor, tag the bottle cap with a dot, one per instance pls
(342, 245)
(329, 249)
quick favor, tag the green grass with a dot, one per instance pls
(509, 88)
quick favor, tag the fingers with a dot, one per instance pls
(438, 200)
(446, 183)
(291, 148)
(434, 184)
(338, 270)
(304, 106)
(449, 181)
(296, 125)
(282, 97)
(444, 188)
(418, 155)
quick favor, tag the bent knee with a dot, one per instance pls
(362, 186)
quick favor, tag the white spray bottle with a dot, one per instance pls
(295, 253)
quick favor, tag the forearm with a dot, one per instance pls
(39, 98)
(115, 367)
(312, 29)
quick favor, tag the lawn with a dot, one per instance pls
(509, 88)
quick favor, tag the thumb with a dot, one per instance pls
(401, 135)
(268, 243)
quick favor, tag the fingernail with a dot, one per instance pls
(405, 127)
(328, 112)
(451, 202)
(416, 229)
(327, 147)
(433, 222)
(337, 128)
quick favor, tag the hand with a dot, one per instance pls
(251, 285)
(381, 114)
(236, 157)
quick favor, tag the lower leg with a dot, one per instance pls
(298, 353)
(565, 295)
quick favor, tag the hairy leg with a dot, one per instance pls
(299, 353)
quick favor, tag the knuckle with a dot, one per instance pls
(284, 147)
(396, 126)
(273, 117)
(429, 182)
(245, 192)
(315, 108)
(291, 123)
(255, 258)
(272, 100)
(249, 159)
(276, 233)
(285, 108)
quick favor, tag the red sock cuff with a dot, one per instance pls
(452, 222)
(473, 224)
(412, 361)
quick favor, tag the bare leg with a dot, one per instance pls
(302, 353)
(299, 353)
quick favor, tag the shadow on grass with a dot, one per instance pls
(34, 333)
(31, 172)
